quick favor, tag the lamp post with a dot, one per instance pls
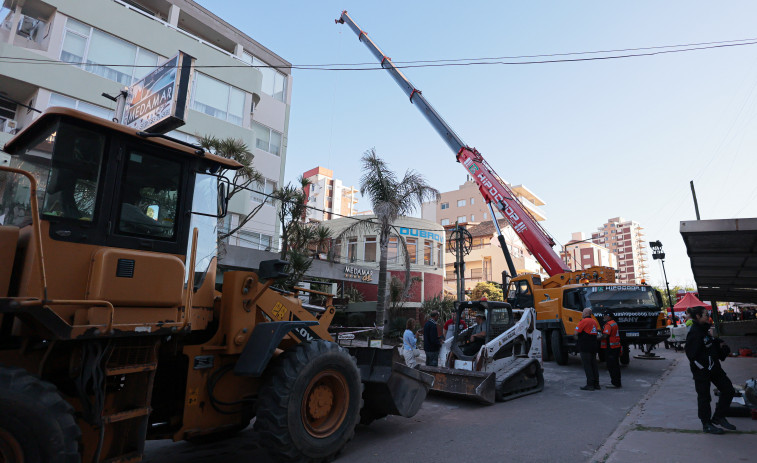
(658, 254)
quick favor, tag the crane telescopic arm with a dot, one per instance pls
(492, 188)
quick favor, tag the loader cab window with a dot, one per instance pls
(522, 294)
(500, 320)
(204, 207)
(149, 196)
(72, 186)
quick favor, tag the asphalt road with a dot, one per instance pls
(562, 423)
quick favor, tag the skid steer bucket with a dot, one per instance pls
(476, 385)
(391, 388)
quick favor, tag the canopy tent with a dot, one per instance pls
(689, 300)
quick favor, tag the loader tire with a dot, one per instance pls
(310, 403)
(558, 350)
(36, 424)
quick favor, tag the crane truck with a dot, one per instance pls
(559, 299)
(114, 329)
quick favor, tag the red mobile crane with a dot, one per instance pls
(556, 299)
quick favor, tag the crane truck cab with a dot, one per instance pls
(114, 328)
(559, 301)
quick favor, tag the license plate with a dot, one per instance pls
(630, 335)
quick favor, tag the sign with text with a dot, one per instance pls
(357, 273)
(425, 234)
(158, 102)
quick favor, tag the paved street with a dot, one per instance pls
(562, 423)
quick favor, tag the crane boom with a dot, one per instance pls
(491, 186)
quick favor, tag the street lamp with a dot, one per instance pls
(658, 254)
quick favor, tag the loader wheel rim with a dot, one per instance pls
(325, 403)
(10, 448)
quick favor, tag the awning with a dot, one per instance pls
(688, 301)
(723, 257)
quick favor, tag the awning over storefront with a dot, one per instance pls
(723, 257)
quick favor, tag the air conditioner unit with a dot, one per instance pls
(8, 125)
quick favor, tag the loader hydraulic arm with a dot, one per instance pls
(491, 186)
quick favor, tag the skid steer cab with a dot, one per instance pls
(504, 364)
(116, 328)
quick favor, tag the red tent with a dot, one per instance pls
(689, 300)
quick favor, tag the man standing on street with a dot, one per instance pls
(586, 332)
(431, 341)
(704, 353)
(611, 345)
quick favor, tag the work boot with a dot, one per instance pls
(613, 386)
(587, 388)
(710, 428)
(597, 386)
(723, 423)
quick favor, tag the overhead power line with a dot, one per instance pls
(578, 57)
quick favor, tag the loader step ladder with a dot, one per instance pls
(130, 370)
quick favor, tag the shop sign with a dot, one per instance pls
(429, 235)
(158, 102)
(357, 273)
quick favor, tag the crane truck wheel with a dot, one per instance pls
(625, 354)
(558, 350)
(36, 424)
(310, 403)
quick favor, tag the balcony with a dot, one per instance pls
(30, 25)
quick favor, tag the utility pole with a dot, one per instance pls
(658, 254)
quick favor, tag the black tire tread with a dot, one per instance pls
(46, 394)
(271, 414)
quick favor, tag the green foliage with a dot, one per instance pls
(488, 289)
(242, 179)
(444, 304)
(354, 295)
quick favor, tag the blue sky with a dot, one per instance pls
(594, 140)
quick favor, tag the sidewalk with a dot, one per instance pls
(663, 426)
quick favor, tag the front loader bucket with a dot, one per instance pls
(391, 388)
(476, 385)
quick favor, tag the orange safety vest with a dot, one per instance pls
(611, 331)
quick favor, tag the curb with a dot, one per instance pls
(629, 422)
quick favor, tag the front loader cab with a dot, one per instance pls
(116, 214)
(520, 294)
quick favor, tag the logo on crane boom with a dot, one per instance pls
(499, 200)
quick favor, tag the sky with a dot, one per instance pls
(593, 139)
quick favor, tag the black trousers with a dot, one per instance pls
(612, 357)
(589, 360)
(719, 379)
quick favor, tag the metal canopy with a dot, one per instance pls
(723, 257)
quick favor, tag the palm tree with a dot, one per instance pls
(390, 198)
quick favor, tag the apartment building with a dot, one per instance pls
(486, 260)
(67, 53)
(328, 197)
(580, 253)
(625, 238)
(466, 205)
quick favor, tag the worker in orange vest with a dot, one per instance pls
(586, 340)
(611, 344)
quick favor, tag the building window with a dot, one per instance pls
(445, 222)
(352, 249)
(473, 201)
(460, 202)
(370, 249)
(445, 206)
(90, 48)
(218, 99)
(428, 252)
(67, 102)
(391, 251)
(255, 240)
(486, 216)
(262, 189)
(412, 249)
(472, 217)
(267, 139)
(274, 82)
(461, 219)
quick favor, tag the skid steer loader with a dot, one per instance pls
(506, 365)
(114, 330)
